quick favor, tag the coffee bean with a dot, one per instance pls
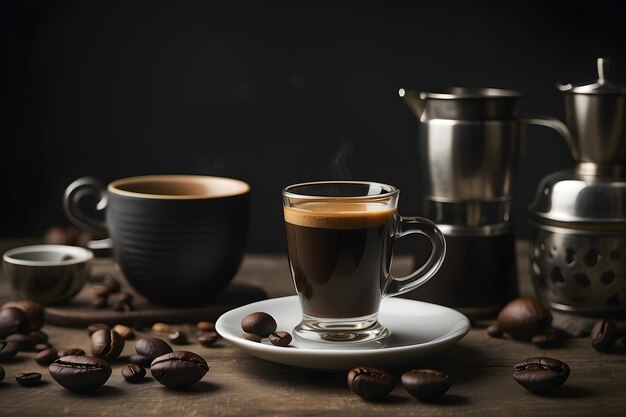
(106, 344)
(603, 335)
(281, 339)
(205, 326)
(70, 352)
(40, 347)
(494, 330)
(126, 332)
(111, 284)
(93, 327)
(2, 373)
(179, 369)
(133, 373)
(55, 235)
(370, 383)
(80, 373)
(46, 357)
(208, 339)
(8, 350)
(34, 312)
(523, 318)
(122, 307)
(100, 291)
(24, 342)
(252, 337)
(259, 323)
(13, 320)
(140, 360)
(99, 301)
(161, 327)
(177, 338)
(549, 339)
(151, 347)
(124, 297)
(425, 384)
(39, 336)
(541, 375)
(28, 379)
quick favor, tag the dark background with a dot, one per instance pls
(268, 92)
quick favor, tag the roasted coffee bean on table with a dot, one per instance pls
(28, 379)
(80, 373)
(541, 375)
(252, 337)
(425, 384)
(524, 317)
(33, 310)
(126, 332)
(549, 339)
(161, 328)
(46, 357)
(259, 323)
(178, 338)
(179, 369)
(208, 338)
(205, 326)
(93, 327)
(106, 344)
(603, 335)
(151, 347)
(13, 320)
(99, 301)
(140, 360)
(39, 336)
(71, 352)
(41, 347)
(133, 373)
(8, 350)
(24, 342)
(281, 339)
(370, 383)
(494, 330)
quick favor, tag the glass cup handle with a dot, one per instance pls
(422, 226)
(74, 193)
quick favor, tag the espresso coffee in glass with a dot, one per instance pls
(340, 239)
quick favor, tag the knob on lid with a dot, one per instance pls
(601, 86)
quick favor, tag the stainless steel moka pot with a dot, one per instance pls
(578, 216)
(468, 147)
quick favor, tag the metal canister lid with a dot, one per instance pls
(601, 86)
(592, 201)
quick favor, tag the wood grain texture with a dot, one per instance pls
(240, 385)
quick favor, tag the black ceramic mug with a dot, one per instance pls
(179, 239)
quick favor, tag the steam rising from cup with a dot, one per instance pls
(338, 167)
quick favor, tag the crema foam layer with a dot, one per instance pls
(339, 215)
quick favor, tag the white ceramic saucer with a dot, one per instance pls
(417, 329)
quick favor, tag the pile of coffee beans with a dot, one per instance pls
(259, 325)
(108, 293)
(374, 384)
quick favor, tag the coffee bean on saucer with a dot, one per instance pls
(70, 352)
(140, 360)
(46, 357)
(122, 307)
(523, 318)
(100, 290)
(133, 373)
(259, 323)
(126, 332)
(205, 326)
(494, 330)
(252, 337)
(549, 339)
(208, 339)
(2, 373)
(99, 301)
(177, 338)
(13, 320)
(370, 383)
(280, 339)
(111, 284)
(8, 350)
(179, 369)
(24, 342)
(80, 373)
(34, 312)
(28, 379)
(425, 384)
(124, 297)
(161, 328)
(106, 344)
(603, 335)
(93, 327)
(541, 375)
(151, 347)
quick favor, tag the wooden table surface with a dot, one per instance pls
(241, 385)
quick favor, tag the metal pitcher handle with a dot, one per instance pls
(554, 123)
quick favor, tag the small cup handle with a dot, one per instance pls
(74, 193)
(422, 226)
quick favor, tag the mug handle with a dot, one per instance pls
(74, 193)
(422, 226)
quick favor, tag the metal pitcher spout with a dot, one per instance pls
(413, 100)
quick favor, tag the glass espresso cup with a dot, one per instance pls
(340, 237)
